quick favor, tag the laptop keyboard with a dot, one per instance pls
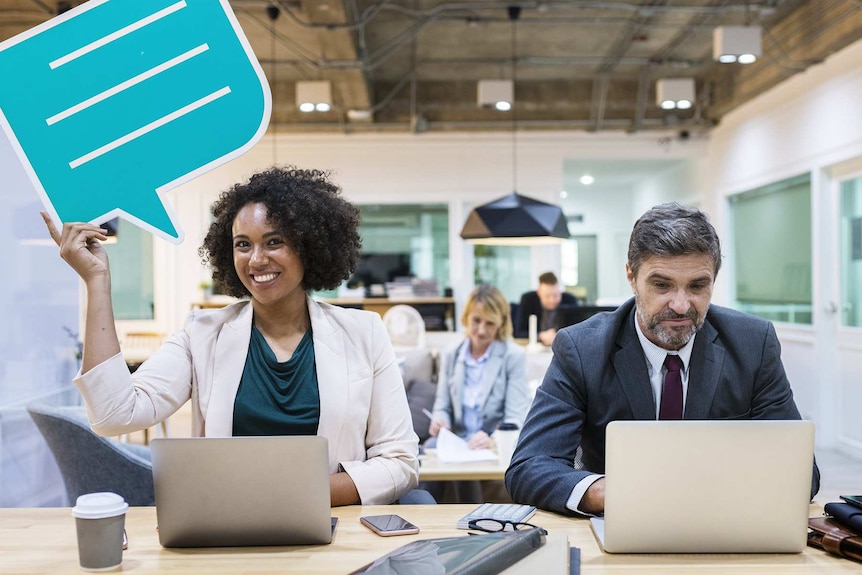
(501, 511)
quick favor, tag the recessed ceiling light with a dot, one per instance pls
(564, 194)
(359, 114)
(587, 179)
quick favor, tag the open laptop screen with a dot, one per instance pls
(238, 491)
(736, 486)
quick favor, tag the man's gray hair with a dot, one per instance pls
(673, 230)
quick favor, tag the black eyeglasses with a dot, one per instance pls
(497, 525)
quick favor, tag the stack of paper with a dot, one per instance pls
(453, 449)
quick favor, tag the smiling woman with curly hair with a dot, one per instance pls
(318, 224)
(279, 363)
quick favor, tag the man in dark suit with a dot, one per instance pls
(611, 366)
(544, 303)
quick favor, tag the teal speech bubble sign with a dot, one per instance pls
(115, 102)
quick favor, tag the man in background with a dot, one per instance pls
(545, 304)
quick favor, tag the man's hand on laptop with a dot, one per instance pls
(593, 501)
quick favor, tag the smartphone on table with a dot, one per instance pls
(386, 525)
(854, 500)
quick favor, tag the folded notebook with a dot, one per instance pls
(826, 534)
(847, 515)
(487, 554)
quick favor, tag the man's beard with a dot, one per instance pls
(670, 338)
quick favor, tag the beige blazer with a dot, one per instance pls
(363, 406)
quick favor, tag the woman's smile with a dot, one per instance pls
(264, 278)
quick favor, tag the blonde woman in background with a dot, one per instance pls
(483, 380)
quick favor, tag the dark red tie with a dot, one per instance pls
(671, 393)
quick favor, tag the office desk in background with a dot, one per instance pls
(42, 541)
(436, 311)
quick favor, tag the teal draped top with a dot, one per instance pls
(277, 398)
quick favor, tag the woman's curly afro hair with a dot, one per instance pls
(307, 209)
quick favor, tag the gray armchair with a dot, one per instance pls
(89, 462)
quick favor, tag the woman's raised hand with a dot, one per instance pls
(80, 246)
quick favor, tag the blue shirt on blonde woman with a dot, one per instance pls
(493, 386)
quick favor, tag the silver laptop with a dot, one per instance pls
(706, 486)
(240, 491)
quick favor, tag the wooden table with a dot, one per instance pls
(42, 541)
(432, 469)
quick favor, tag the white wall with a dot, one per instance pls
(608, 214)
(810, 123)
(680, 182)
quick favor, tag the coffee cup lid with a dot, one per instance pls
(99, 505)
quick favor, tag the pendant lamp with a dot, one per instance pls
(515, 219)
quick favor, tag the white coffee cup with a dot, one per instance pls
(100, 519)
(506, 440)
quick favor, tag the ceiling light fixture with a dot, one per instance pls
(515, 220)
(314, 96)
(736, 44)
(359, 114)
(587, 179)
(498, 94)
(675, 94)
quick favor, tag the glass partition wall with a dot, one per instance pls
(772, 250)
(850, 238)
(132, 287)
(412, 240)
(505, 267)
(401, 240)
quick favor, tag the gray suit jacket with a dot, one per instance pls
(599, 374)
(504, 387)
